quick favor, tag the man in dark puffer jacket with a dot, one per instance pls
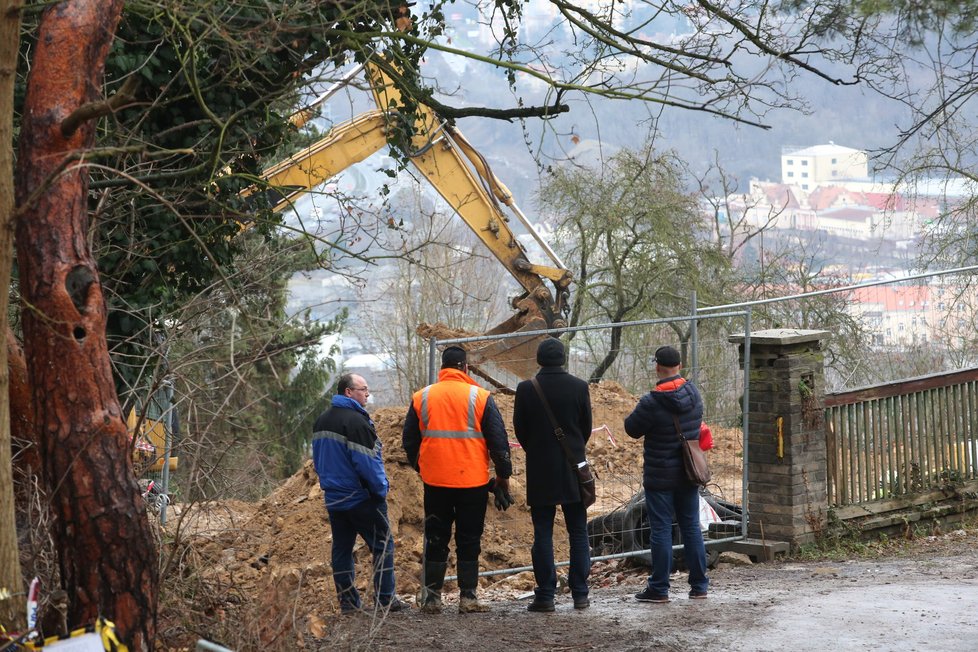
(350, 465)
(667, 489)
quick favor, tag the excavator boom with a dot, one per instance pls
(345, 145)
(463, 178)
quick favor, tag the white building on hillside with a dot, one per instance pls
(809, 167)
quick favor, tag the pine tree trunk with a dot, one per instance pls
(108, 559)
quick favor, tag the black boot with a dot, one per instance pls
(468, 582)
(434, 579)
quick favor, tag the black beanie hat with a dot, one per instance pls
(550, 353)
(453, 356)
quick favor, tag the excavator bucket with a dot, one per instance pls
(517, 355)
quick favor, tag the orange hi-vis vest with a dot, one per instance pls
(453, 451)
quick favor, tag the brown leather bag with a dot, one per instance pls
(694, 459)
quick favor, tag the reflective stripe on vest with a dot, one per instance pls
(470, 432)
(453, 451)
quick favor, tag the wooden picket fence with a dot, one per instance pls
(898, 441)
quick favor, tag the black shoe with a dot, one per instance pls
(582, 602)
(697, 595)
(393, 605)
(648, 596)
(541, 606)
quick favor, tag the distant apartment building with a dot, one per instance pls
(856, 222)
(809, 167)
(903, 316)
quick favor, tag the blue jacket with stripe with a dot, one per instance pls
(348, 455)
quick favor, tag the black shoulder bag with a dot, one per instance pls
(585, 478)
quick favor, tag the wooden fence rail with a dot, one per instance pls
(901, 438)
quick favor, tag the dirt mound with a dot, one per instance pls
(282, 544)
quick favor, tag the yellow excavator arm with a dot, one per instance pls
(345, 145)
(463, 178)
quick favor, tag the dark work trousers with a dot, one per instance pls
(466, 508)
(542, 552)
(369, 520)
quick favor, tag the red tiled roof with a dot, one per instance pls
(780, 195)
(825, 196)
(908, 297)
(851, 213)
(885, 201)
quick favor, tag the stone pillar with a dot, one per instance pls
(785, 450)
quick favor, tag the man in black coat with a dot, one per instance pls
(550, 478)
(674, 406)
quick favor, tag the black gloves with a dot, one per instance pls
(500, 489)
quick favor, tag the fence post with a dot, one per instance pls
(694, 353)
(167, 448)
(432, 360)
(786, 452)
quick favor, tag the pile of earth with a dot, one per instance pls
(274, 555)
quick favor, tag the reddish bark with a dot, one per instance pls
(108, 558)
(24, 446)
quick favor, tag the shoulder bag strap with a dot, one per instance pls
(558, 431)
(679, 430)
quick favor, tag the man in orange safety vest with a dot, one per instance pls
(451, 431)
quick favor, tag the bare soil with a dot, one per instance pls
(264, 578)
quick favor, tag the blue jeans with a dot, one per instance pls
(542, 552)
(685, 504)
(369, 520)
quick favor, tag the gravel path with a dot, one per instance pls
(922, 598)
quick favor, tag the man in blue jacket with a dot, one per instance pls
(673, 406)
(348, 459)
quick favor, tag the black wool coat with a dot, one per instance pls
(549, 478)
